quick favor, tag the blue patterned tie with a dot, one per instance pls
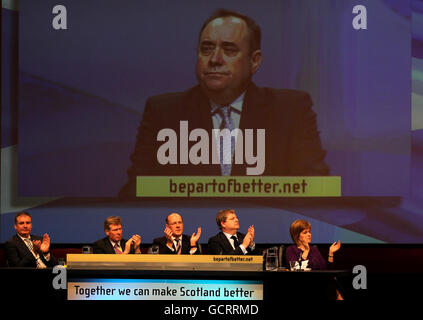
(227, 123)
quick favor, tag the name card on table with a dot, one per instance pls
(165, 262)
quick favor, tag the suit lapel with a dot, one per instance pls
(240, 237)
(225, 242)
(24, 250)
(256, 114)
(108, 246)
(185, 245)
(22, 246)
(199, 116)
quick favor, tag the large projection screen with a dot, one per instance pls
(87, 86)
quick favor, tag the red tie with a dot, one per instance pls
(117, 250)
(178, 246)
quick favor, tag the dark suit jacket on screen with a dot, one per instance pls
(293, 144)
(104, 246)
(219, 244)
(163, 248)
(18, 254)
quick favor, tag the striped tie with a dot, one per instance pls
(178, 246)
(117, 249)
(227, 123)
(40, 264)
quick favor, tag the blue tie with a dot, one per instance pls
(227, 123)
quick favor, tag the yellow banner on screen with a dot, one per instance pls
(246, 186)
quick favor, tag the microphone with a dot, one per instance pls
(300, 259)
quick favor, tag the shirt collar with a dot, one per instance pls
(113, 243)
(237, 104)
(24, 239)
(227, 235)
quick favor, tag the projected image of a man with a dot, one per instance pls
(228, 55)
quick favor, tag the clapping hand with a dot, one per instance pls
(249, 237)
(169, 236)
(42, 246)
(334, 247)
(195, 237)
(251, 231)
(134, 241)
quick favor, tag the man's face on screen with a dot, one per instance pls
(224, 64)
(115, 232)
(23, 226)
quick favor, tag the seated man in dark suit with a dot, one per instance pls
(114, 243)
(229, 241)
(174, 241)
(26, 250)
(228, 55)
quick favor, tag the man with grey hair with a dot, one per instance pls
(228, 55)
(113, 243)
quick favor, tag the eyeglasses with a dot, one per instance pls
(176, 223)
